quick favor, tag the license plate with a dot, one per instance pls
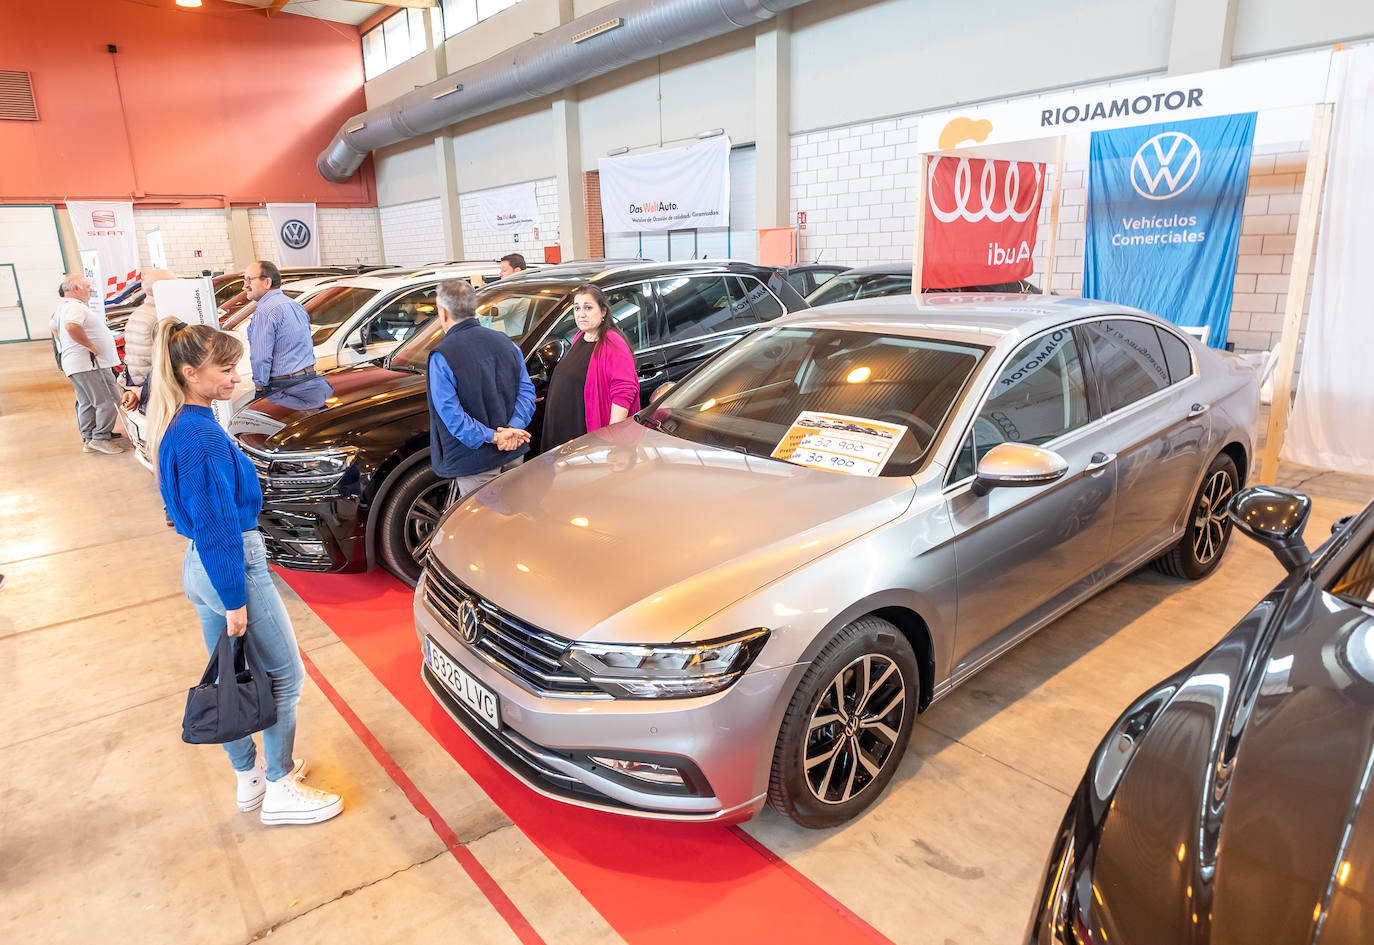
(456, 680)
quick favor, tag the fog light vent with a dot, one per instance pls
(642, 770)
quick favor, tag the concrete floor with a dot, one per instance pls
(110, 826)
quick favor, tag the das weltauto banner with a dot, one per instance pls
(678, 189)
(108, 229)
(502, 209)
(981, 218)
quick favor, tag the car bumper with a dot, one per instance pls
(314, 533)
(722, 743)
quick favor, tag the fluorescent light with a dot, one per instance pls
(597, 30)
(710, 133)
(188, 3)
(441, 94)
(614, 151)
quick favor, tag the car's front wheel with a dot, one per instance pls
(1208, 530)
(847, 725)
(411, 512)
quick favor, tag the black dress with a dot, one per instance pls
(565, 405)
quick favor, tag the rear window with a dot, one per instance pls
(844, 287)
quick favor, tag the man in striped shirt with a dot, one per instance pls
(279, 342)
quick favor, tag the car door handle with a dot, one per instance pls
(1198, 410)
(1099, 460)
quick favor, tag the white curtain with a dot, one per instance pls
(1333, 415)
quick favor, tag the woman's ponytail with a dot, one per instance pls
(175, 345)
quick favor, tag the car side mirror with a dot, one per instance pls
(1275, 517)
(660, 390)
(1017, 464)
(550, 353)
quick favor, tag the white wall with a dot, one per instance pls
(29, 240)
(186, 233)
(494, 151)
(413, 233)
(1267, 26)
(479, 243)
(407, 172)
(348, 236)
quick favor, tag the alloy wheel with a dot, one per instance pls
(1210, 521)
(854, 728)
(423, 516)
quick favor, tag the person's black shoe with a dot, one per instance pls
(2, 580)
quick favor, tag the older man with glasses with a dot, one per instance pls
(86, 348)
(279, 343)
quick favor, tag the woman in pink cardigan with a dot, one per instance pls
(595, 384)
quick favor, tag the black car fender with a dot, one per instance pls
(389, 483)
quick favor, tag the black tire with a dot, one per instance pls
(412, 510)
(1208, 530)
(844, 747)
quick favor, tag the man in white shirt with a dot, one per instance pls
(87, 349)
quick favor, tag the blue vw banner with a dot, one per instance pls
(1165, 204)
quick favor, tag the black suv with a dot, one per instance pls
(344, 458)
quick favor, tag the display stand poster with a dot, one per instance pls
(192, 301)
(677, 189)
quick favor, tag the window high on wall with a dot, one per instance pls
(401, 36)
(461, 14)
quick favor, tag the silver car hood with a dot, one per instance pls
(631, 535)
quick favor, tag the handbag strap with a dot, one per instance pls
(227, 661)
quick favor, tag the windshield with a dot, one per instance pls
(332, 307)
(751, 397)
(515, 311)
(869, 285)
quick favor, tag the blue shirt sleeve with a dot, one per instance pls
(205, 482)
(443, 393)
(524, 400)
(261, 332)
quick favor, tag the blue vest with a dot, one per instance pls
(487, 367)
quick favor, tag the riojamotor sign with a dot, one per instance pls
(981, 217)
(677, 189)
(1165, 205)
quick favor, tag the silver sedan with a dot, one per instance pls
(746, 594)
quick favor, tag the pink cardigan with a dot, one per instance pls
(611, 379)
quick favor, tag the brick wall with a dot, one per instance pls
(183, 233)
(857, 185)
(347, 235)
(591, 205)
(479, 243)
(412, 233)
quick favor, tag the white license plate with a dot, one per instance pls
(469, 691)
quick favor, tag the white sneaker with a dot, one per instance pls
(104, 446)
(253, 782)
(291, 801)
(86, 447)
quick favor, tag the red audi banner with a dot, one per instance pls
(981, 218)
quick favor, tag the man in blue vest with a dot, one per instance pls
(480, 396)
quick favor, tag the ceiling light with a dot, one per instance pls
(188, 3)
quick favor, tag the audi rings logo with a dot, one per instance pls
(1170, 159)
(469, 623)
(996, 200)
(295, 234)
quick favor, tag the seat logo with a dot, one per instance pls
(989, 204)
(1165, 165)
(295, 234)
(469, 623)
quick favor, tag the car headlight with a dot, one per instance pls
(666, 672)
(309, 469)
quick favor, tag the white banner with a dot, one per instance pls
(1273, 83)
(90, 268)
(157, 252)
(679, 189)
(503, 209)
(193, 301)
(108, 228)
(295, 233)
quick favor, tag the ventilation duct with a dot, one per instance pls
(592, 45)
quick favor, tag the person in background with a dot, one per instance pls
(138, 342)
(211, 490)
(86, 348)
(511, 264)
(279, 341)
(480, 396)
(595, 383)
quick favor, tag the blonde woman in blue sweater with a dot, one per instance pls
(212, 494)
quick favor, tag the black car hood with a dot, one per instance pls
(1242, 815)
(330, 410)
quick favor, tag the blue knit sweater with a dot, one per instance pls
(212, 493)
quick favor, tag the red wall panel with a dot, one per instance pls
(212, 106)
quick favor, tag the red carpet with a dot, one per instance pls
(649, 880)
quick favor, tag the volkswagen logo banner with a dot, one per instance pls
(1165, 205)
(295, 231)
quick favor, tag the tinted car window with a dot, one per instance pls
(1128, 360)
(848, 286)
(227, 290)
(1039, 395)
(756, 296)
(332, 307)
(398, 319)
(798, 281)
(528, 305)
(627, 311)
(1355, 583)
(1176, 355)
(697, 305)
(748, 397)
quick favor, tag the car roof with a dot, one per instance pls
(401, 278)
(971, 319)
(599, 271)
(880, 269)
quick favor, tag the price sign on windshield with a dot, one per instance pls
(851, 445)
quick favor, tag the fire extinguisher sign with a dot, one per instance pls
(801, 219)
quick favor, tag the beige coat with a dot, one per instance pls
(138, 341)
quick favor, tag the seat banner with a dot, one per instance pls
(1165, 207)
(108, 228)
(981, 219)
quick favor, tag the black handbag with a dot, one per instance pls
(233, 699)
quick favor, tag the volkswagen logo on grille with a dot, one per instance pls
(295, 234)
(469, 623)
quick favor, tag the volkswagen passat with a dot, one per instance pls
(748, 592)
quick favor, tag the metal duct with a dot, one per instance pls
(616, 35)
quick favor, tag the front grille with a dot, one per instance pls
(524, 651)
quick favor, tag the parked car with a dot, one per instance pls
(667, 619)
(350, 484)
(231, 296)
(806, 278)
(884, 279)
(1230, 802)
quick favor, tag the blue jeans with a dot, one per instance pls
(271, 646)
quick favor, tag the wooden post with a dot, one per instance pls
(918, 240)
(1297, 292)
(1047, 285)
